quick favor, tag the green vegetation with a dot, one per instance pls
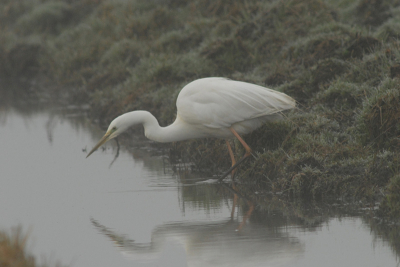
(338, 59)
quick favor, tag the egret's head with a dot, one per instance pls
(116, 128)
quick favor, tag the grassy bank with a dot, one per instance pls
(338, 59)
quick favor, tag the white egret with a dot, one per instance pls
(209, 107)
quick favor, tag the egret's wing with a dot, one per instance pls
(219, 102)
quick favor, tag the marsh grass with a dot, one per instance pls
(338, 59)
(14, 251)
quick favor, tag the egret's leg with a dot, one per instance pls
(232, 157)
(246, 146)
(246, 155)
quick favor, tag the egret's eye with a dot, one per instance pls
(114, 129)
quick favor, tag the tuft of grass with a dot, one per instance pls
(21, 60)
(392, 201)
(178, 41)
(46, 17)
(13, 250)
(341, 95)
(123, 51)
(381, 115)
(373, 12)
(228, 55)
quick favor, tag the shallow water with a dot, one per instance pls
(138, 212)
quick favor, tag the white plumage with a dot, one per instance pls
(209, 107)
(219, 103)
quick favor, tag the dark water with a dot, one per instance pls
(138, 212)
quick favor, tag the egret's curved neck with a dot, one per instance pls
(177, 131)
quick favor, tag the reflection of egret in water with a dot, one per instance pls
(207, 195)
(213, 244)
(235, 241)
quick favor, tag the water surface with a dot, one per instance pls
(138, 212)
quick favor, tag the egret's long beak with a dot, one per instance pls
(105, 138)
